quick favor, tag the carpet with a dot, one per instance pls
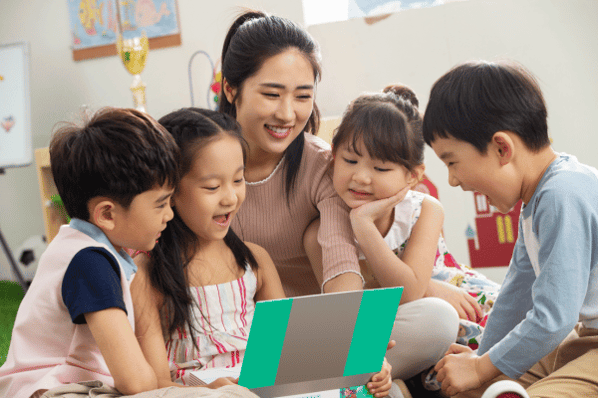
(11, 295)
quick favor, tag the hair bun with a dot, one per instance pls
(404, 92)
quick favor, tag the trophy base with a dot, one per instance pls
(138, 90)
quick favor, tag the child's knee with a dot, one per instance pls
(438, 321)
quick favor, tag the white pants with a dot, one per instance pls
(424, 329)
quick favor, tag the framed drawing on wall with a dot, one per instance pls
(95, 24)
(15, 114)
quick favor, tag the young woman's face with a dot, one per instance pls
(210, 194)
(274, 105)
(359, 179)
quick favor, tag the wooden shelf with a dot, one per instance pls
(327, 126)
(53, 217)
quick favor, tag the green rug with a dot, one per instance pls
(11, 295)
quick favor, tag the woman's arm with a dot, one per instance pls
(339, 257)
(414, 270)
(340, 260)
(269, 286)
(148, 329)
(343, 282)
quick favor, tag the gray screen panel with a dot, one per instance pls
(318, 337)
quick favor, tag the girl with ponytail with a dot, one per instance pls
(378, 158)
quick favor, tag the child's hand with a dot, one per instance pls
(374, 210)
(467, 307)
(391, 343)
(221, 382)
(380, 384)
(458, 370)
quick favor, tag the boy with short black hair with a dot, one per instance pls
(115, 175)
(487, 122)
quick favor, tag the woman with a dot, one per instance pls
(270, 69)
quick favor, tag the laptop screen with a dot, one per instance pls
(317, 343)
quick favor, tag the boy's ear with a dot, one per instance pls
(229, 91)
(503, 146)
(416, 175)
(103, 214)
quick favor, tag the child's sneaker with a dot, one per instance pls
(505, 389)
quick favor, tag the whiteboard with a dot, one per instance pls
(15, 114)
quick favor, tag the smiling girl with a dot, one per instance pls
(378, 158)
(194, 296)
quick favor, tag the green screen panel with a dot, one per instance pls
(375, 320)
(272, 317)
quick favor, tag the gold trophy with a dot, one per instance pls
(133, 53)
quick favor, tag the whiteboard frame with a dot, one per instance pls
(25, 158)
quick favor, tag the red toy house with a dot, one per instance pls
(492, 245)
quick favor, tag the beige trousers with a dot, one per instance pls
(571, 370)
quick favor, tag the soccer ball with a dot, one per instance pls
(28, 254)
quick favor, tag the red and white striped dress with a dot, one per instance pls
(222, 318)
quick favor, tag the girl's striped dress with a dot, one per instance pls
(222, 318)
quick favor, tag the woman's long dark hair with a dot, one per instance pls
(192, 129)
(253, 38)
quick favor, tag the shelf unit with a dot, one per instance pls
(53, 217)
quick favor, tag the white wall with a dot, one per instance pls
(60, 86)
(557, 40)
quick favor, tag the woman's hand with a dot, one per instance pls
(467, 307)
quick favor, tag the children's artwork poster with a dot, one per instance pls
(95, 24)
(15, 118)
(154, 17)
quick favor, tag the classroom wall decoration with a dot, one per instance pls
(426, 186)
(15, 118)
(491, 244)
(95, 24)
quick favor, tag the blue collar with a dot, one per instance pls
(96, 234)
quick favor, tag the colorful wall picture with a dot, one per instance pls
(492, 242)
(95, 24)
(154, 17)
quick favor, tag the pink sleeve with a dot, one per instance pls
(339, 251)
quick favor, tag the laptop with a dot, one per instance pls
(317, 343)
